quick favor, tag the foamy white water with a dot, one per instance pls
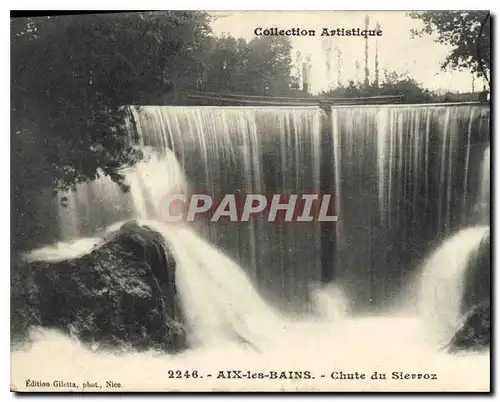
(442, 282)
(94, 205)
(63, 250)
(220, 301)
(364, 345)
(233, 328)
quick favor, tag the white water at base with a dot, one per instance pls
(442, 282)
(220, 301)
(224, 309)
(365, 345)
(221, 304)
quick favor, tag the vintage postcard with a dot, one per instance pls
(250, 201)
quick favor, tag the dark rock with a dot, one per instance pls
(122, 294)
(474, 334)
(477, 283)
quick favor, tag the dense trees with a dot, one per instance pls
(73, 75)
(467, 32)
(392, 84)
(259, 67)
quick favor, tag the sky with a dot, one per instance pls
(420, 57)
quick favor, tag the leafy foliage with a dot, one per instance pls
(72, 76)
(393, 84)
(467, 32)
(261, 66)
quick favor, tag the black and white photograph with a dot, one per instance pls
(250, 201)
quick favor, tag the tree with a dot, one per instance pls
(269, 65)
(377, 71)
(339, 66)
(72, 77)
(467, 32)
(393, 84)
(402, 84)
(225, 64)
(261, 66)
(296, 77)
(367, 71)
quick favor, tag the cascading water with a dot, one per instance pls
(249, 151)
(221, 151)
(232, 328)
(95, 205)
(223, 304)
(483, 201)
(401, 176)
(406, 175)
(443, 282)
(394, 169)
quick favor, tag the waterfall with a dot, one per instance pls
(483, 202)
(222, 304)
(249, 151)
(95, 205)
(405, 176)
(218, 151)
(401, 177)
(232, 328)
(443, 281)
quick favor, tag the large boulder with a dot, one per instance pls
(477, 281)
(474, 334)
(122, 294)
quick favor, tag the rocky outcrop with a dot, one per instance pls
(474, 334)
(477, 283)
(122, 294)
